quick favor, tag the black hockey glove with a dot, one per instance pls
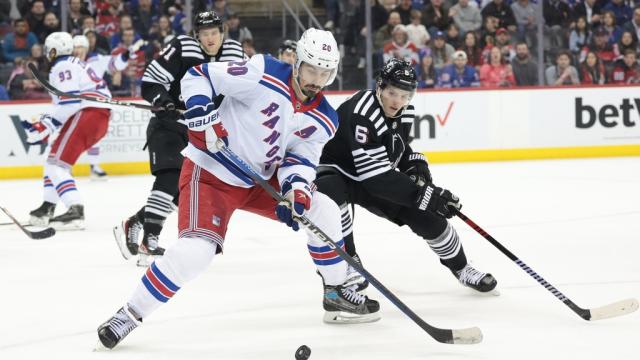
(418, 169)
(164, 101)
(437, 200)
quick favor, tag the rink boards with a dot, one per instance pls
(449, 126)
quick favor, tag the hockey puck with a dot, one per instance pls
(303, 352)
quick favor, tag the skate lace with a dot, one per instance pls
(121, 324)
(134, 231)
(352, 296)
(469, 275)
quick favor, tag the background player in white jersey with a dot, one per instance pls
(277, 120)
(81, 123)
(370, 163)
(100, 65)
(165, 136)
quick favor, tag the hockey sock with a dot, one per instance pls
(181, 263)
(93, 155)
(347, 229)
(50, 194)
(447, 246)
(63, 183)
(159, 206)
(325, 214)
(140, 215)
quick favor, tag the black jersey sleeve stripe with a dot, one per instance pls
(356, 109)
(156, 73)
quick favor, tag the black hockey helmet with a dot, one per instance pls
(207, 19)
(287, 45)
(398, 73)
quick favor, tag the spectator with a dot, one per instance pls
(556, 17)
(626, 70)
(17, 43)
(633, 26)
(37, 56)
(458, 74)
(627, 42)
(107, 17)
(622, 12)
(503, 41)
(51, 25)
(489, 31)
(247, 47)
(496, 73)
(436, 16)
(127, 82)
(389, 5)
(74, 20)
(125, 23)
(466, 17)
(178, 19)
(609, 24)
(400, 47)
(235, 31)
(221, 8)
(35, 18)
(592, 70)
(453, 36)
(102, 45)
(143, 17)
(356, 32)
(332, 9)
(418, 34)
(527, 21)
(404, 9)
(384, 33)
(5, 12)
(580, 36)
(441, 51)
(427, 75)
(473, 50)
(563, 73)
(601, 47)
(502, 12)
(589, 9)
(525, 70)
(158, 33)
(22, 85)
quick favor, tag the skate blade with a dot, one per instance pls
(93, 177)
(121, 241)
(341, 317)
(72, 225)
(39, 222)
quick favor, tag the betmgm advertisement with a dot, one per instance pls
(449, 126)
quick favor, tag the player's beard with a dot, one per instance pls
(311, 90)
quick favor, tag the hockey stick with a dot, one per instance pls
(12, 223)
(471, 335)
(35, 235)
(619, 308)
(50, 88)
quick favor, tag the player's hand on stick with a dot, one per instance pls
(418, 169)
(438, 200)
(164, 101)
(39, 132)
(297, 194)
(204, 118)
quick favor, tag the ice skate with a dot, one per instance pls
(112, 331)
(149, 250)
(126, 235)
(343, 305)
(354, 278)
(42, 215)
(482, 282)
(73, 219)
(97, 173)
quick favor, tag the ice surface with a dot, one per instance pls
(575, 222)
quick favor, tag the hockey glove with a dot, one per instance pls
(297, 199)
(165, 102)
(38, 132)
(438, 200)
(205, 119)
(418, 169)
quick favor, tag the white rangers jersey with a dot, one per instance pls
(72, 75)
(103, 63)
(268, 126)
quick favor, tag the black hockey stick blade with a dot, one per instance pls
(471, 335)
(35, 235)
(50, 88)
(615, 309)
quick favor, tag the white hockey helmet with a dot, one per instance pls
(80, 41)
(319, 48)
(62, 42)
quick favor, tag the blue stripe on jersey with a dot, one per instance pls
(275, 88)
(276, 68)
(324, 248)
(325, 126)
(327, 110)
(291, 159)
(67, 102)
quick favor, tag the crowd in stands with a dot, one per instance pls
(494, 43)
(451, 43)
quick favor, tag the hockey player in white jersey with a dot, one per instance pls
(102, 64)
(80, 123)
(275, 118)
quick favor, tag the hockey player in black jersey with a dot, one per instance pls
(165, 136)
(370, 163)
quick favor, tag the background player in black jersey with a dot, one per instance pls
(370, 163)
(287, 51)
(165, 136)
